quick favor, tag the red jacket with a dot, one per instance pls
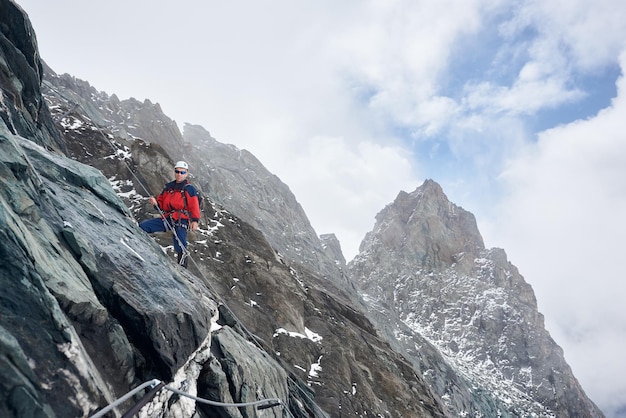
(180, 201)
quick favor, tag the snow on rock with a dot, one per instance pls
(308, 334)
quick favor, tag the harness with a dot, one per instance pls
(180, 222)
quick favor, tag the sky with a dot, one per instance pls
(517, 108)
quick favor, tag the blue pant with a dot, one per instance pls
(159, 225)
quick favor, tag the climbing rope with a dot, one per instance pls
(151, 383)
(260, 404)
(156, 383)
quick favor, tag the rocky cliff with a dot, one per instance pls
(92, 307)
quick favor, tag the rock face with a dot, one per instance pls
(23, 109)
(332, 247)
(77, 277)
(426, 273)
(91, 306)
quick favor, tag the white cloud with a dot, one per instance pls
(532, 92)
(396, 50)
(563, 222)
(589, 34)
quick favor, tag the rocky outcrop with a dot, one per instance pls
(426, 274)
(125, 119)
(22, 108)
(77, 270)
(332, 247)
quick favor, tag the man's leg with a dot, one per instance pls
(153, 225)
(181, 233)
(182, 259)
(157, 225)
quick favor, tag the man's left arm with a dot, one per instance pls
(194, 208)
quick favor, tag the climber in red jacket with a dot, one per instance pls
(180, 208)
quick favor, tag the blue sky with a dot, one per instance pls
(516, 108)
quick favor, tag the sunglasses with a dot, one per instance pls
(180, 172)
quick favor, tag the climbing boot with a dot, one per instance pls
(182, 259)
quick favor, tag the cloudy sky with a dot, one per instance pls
(517, 108)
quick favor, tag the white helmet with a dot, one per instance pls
(182, 164)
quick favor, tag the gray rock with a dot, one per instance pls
(244, 373)
(332, 247)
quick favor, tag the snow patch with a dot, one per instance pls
(316, 368)
(308, 334)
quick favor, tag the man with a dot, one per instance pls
(180, 208)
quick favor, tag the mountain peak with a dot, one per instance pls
(437, 229)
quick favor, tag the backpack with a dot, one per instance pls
(200, 198)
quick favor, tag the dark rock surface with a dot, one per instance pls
(23, 109)
(90, 302)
